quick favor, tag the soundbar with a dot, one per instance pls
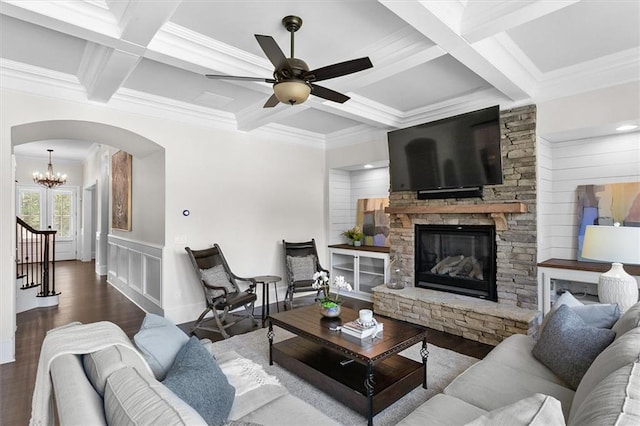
(435, 194)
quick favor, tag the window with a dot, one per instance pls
(29, 206)
(62, 219)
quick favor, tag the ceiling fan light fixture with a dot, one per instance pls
(292, 92)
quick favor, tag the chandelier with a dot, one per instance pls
(49, 179)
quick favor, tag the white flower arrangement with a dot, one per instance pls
(321, 282)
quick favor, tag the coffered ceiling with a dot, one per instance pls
(431, 59)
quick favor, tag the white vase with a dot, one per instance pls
(357, 243)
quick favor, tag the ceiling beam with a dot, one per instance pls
(496, 17)
(430, 19)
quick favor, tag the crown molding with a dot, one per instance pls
(611, 70)
(24, 78)
(177, 42)
(21, 77)
(282, 133)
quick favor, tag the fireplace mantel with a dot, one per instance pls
(495, 210)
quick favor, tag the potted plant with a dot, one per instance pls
(358, 236)
(354, 235)
(329, 304)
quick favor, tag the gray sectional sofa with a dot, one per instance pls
(510, 386)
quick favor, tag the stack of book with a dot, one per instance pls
(357, 329)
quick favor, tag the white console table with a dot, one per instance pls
(572, 270)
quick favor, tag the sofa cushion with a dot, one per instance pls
(134, 399)
(489, 385)
(568, 346)
(68, 378)
(254, 387)
(442, 410)
(536, 410)
(159, 340)
(196, 378)
(515, 351)
(621, 352)
(100, 364)
(289, 410)
(614, 401)
(217, 276)
(302, 267)
(628, 321)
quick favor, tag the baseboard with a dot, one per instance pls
(136, 298)
(7, 351)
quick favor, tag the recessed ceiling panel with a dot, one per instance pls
(313, 120)
(332, 31)
(38, 46)
(63, 149)
(581, 32)
(175, 83)
(432, 82)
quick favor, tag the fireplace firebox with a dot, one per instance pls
(457, 258)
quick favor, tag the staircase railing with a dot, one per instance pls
(35, 258)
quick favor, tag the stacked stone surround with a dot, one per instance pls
(472, 318)
(516, 276)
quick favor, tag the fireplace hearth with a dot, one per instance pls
(458, 259)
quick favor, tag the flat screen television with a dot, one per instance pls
(456, 152)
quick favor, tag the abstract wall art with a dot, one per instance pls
(121, 169)
(607, 204)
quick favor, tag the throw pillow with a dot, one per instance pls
(629, 321)
(598, 315)
(565, 298)
(536, 410)
(159, 340)
(568, 346)
(196, 378)
(302, 268)
(218, 277)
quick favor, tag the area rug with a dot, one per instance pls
(442, 367)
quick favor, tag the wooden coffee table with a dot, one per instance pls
(340, 364)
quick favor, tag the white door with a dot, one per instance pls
(44, 209)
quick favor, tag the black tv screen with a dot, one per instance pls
(456, 152)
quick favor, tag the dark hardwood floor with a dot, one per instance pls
(87, 297)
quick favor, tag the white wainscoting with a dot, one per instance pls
(135, 268)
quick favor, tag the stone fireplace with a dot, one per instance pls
(510, 209)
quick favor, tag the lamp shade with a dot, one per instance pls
(292, 92)
(619, 244)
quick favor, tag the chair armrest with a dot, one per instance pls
(252, 282)
(214, 287)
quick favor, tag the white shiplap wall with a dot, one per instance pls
(601, 160)
(545, 193)
(345, 189)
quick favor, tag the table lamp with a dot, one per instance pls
(616, 244)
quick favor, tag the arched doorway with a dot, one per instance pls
(112, 247)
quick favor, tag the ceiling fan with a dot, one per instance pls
(292, 81)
